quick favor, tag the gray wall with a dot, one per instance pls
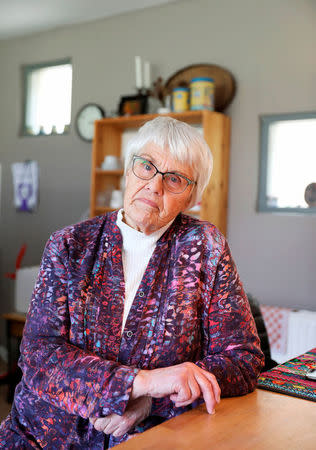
(270, 48)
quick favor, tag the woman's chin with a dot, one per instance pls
(144, 211)
(145, 221)
(140, 219)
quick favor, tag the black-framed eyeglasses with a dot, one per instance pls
(172, 181)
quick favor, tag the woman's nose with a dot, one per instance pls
(156, 184)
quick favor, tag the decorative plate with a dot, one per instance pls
(225, 85)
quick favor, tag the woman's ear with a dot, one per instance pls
(191, 201)
(187, 203)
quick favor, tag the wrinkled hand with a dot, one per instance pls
(136, 411)
(183, 383)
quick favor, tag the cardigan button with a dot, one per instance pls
(141, 293)
(129, 334)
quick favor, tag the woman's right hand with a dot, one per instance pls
(183, 383)
(136, 411)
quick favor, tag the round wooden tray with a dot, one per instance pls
(225, 85)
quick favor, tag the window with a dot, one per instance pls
(288, 163)
(47, 94)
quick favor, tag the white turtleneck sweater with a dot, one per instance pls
(136, 252)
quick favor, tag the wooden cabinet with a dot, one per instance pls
(108, 141)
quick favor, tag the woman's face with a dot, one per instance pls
(147, 205)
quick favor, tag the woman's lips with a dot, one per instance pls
(148, 202)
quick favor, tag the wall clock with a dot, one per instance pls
(85, 119)
(310, 195)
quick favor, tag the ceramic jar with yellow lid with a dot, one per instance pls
(202, 93)
(180, 99)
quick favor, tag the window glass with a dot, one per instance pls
(47, 98)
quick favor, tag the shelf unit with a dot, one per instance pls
(216, 130)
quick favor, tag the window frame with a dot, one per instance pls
(265, 121)
(26, 70)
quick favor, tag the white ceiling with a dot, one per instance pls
(22, 17)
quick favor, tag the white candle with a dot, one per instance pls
(147, 81)
(138, 72)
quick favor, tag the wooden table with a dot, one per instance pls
(261, 420)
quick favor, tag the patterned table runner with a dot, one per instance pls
(289, 378)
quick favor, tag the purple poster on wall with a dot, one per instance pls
(25, 183)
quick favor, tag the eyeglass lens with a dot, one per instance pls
(146, 170)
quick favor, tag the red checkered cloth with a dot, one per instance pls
(276, 321)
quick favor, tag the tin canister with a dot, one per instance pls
(180, 99)
(202, 93)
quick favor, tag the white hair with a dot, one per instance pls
(185, 144)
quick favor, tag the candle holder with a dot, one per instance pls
(142, 91)
(133, 104)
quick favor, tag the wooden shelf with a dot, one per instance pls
(117, 172)
(216, 131)
(103, 209)
(136, 121)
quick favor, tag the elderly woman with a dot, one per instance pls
(137, 315)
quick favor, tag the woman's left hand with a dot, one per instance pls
(136, 411)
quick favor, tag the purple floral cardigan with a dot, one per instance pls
(190, 306)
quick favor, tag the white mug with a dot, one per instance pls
(110, 162)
